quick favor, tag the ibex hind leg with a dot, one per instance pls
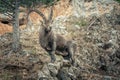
(70, 51)
(71, 55)
(74, 46)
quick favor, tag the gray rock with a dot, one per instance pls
(41, 76)
(52, 69)
(107, 78)
(63, 74)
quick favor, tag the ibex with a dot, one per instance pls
(54, 43)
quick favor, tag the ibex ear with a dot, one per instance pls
(51, 14)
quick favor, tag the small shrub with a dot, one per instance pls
(81, 23)
(118, 1)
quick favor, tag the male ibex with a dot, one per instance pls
(54, 43)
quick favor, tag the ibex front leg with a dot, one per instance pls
(52, 52)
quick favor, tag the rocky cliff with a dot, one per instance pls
(98, 47)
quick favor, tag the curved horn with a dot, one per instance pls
(51, 14)
(38, 12)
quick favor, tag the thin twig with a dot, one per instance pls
(91, 23)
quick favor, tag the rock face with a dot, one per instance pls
(85, 8)
(97, 55)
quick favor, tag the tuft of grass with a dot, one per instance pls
(33, 51)
(80, 23)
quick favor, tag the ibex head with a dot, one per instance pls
(46, 21)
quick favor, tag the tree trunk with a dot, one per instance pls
(16, 34)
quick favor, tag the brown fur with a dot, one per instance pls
(54, 43)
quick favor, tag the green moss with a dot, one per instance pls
(80, 23)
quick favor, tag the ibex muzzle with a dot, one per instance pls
(54, 43)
